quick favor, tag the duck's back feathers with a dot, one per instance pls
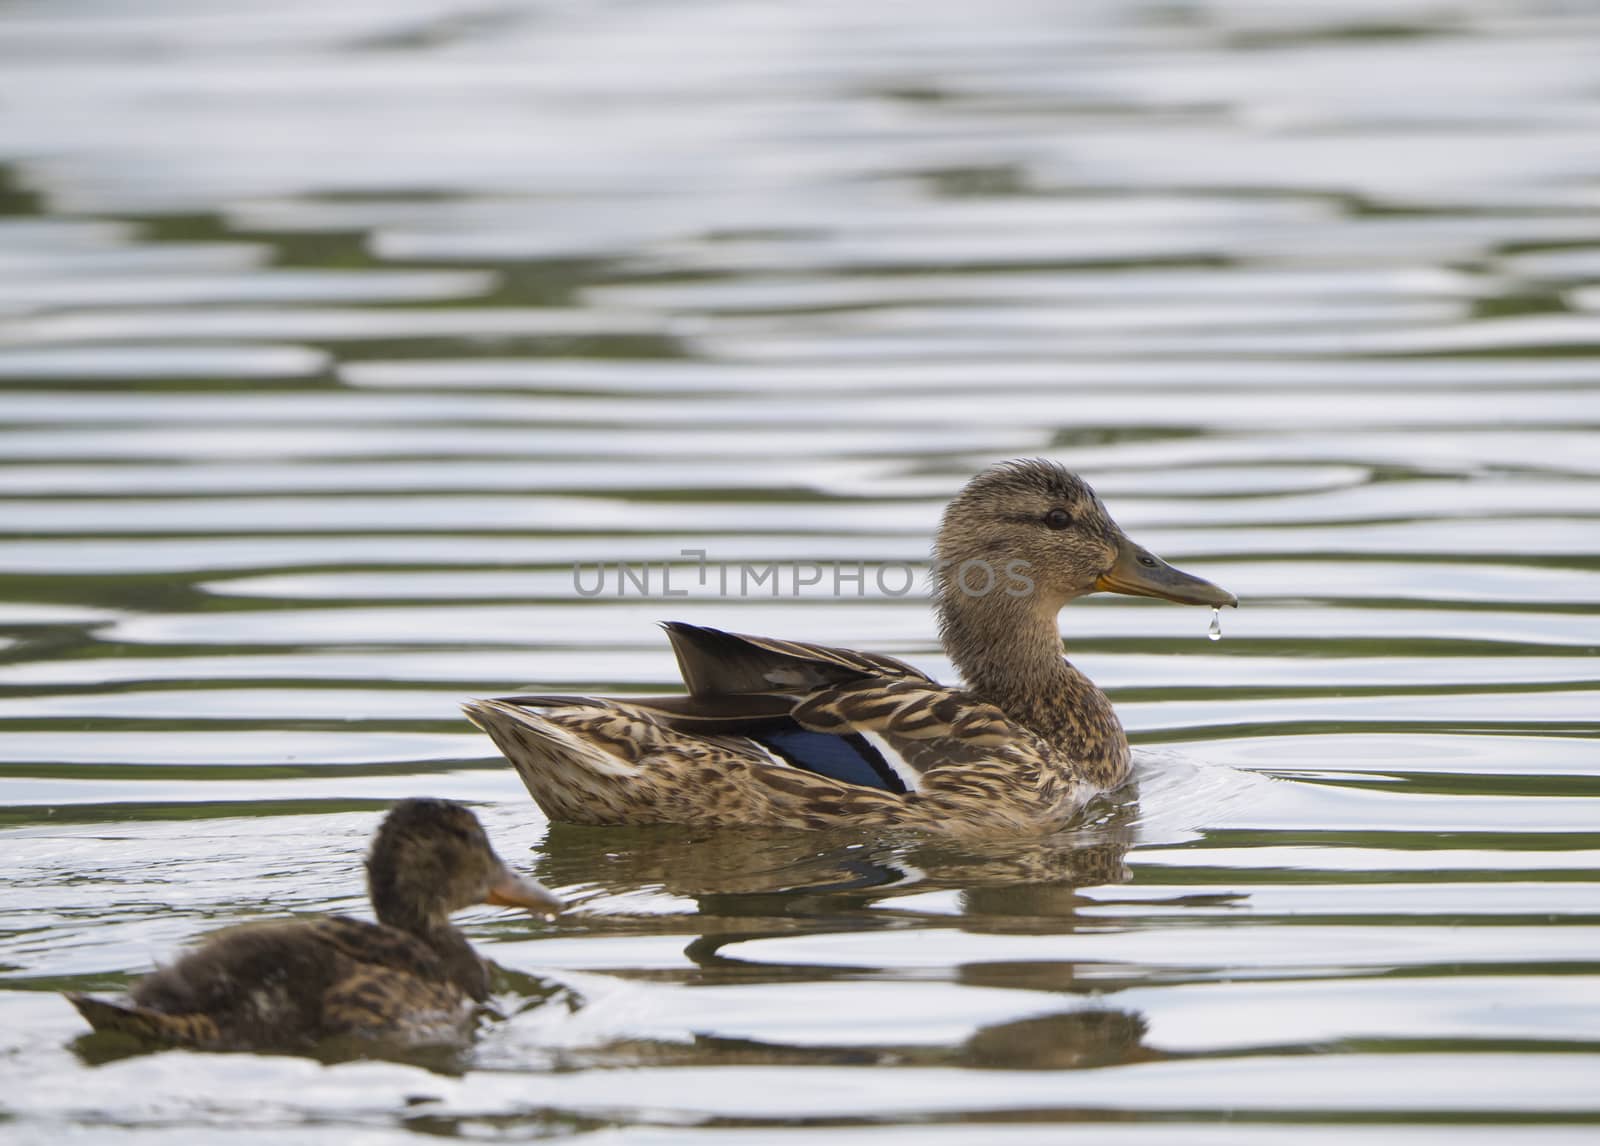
(287, 985)
(805, 736)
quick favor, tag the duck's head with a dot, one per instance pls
(431, 857)
(1037, 531)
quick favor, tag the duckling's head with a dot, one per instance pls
(431, 857)
(1031, 530)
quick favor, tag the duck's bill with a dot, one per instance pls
(513, 890)
(1140, 573)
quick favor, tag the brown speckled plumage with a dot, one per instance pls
(1019, 750)
(411, 977)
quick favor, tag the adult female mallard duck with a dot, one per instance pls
(800, 735)
(411, 977)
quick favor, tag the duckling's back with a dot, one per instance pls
(283, 986)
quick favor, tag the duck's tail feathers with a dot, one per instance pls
(572, 778)
(144, 1023)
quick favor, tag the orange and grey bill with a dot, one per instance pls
(513, 890)
(1140, 573)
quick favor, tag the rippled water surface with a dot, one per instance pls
(333, 335)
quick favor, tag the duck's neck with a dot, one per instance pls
(460, 963)
(1008, 649)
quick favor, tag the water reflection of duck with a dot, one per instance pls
(785, 733)
(736, 868)
(411, 977)
(1080, 1039)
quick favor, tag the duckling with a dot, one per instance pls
(411, 977)
(786, 733)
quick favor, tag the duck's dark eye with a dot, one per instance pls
(1058, 518)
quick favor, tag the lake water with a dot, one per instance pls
(333, 335)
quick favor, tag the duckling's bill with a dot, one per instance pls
(1140, 573)
(512, 890)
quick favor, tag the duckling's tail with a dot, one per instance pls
(572, 778)
(144, 1023)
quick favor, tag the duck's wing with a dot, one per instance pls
(775, 732)
(889, 735)
(393, 985)
(714, 662)
(782, 702)
(923, 732)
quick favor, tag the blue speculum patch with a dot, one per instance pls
(850, 757)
